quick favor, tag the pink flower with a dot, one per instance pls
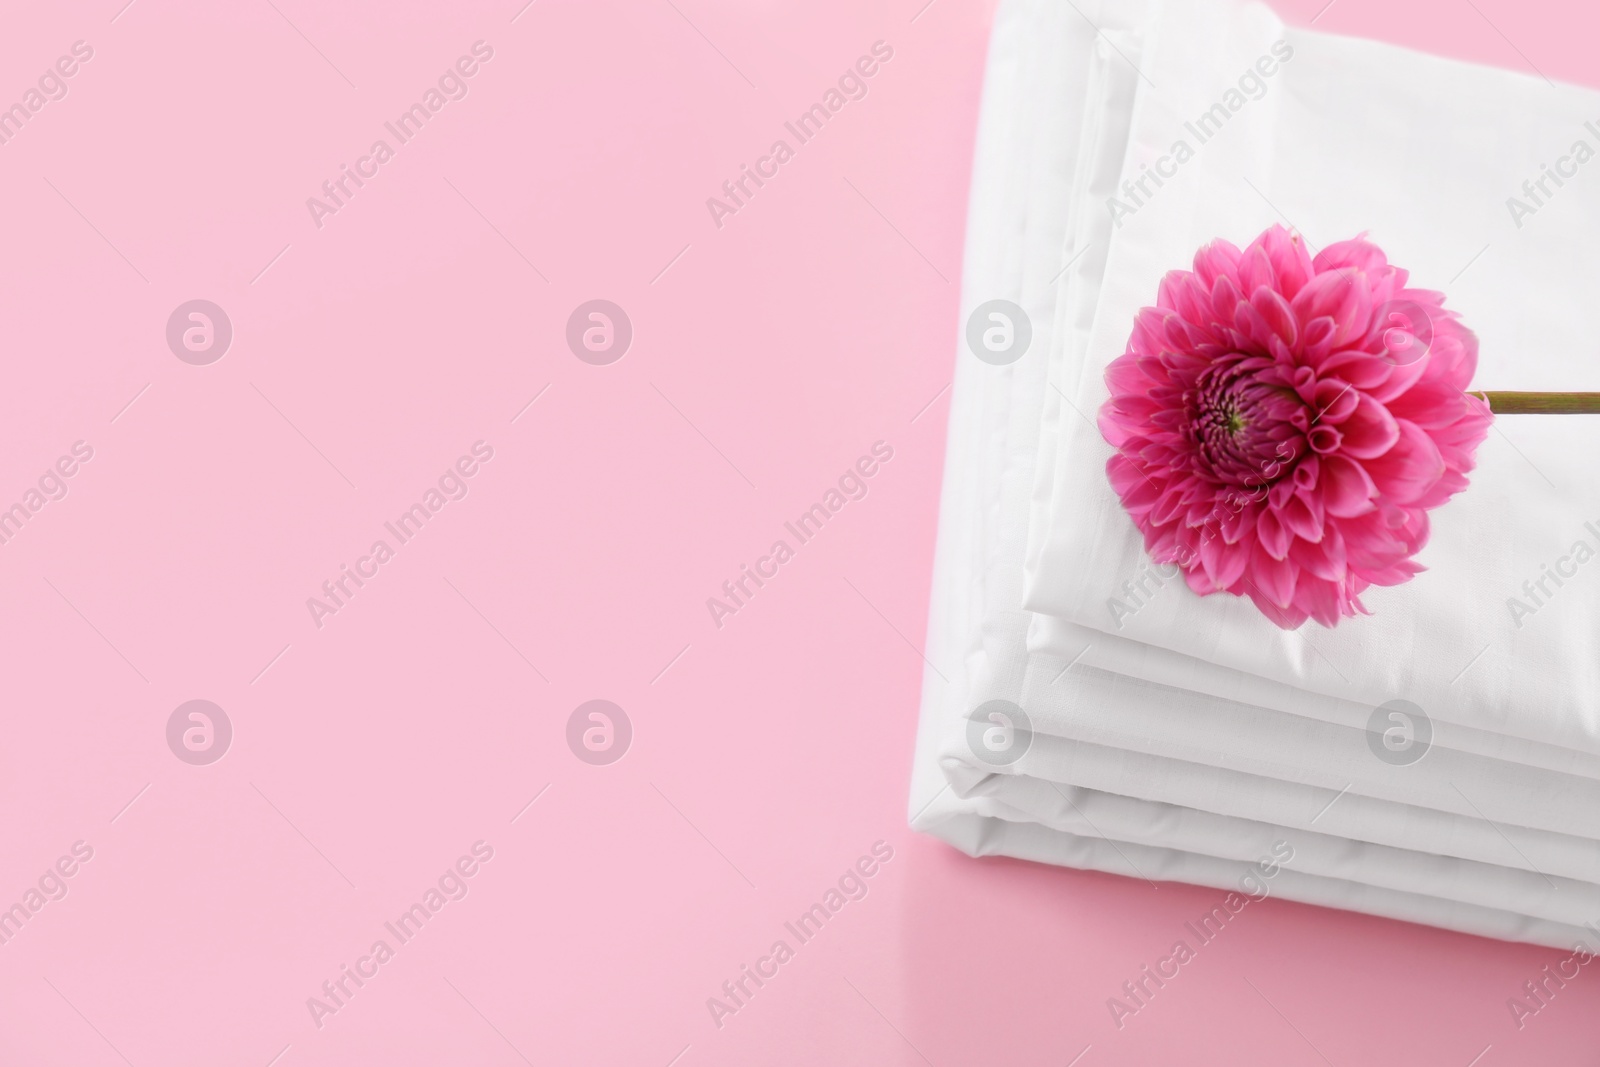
(1284, 424)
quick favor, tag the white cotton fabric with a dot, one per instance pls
(1423, 153)
(1147, 761)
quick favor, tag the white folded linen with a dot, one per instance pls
(1194, 782)
(1351, 136)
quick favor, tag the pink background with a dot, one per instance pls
(369, 754)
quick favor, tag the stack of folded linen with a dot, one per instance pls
(1437, 760)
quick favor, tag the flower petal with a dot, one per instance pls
(1370, 431)
(1275, 578)
(1273, 535)
(1346, 489)
(1409, 469)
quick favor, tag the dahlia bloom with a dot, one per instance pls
(1283, 424)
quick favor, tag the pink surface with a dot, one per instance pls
(370, 754)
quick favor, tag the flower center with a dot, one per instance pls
(1241, 423)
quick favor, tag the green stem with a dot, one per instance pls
(1503, 403)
